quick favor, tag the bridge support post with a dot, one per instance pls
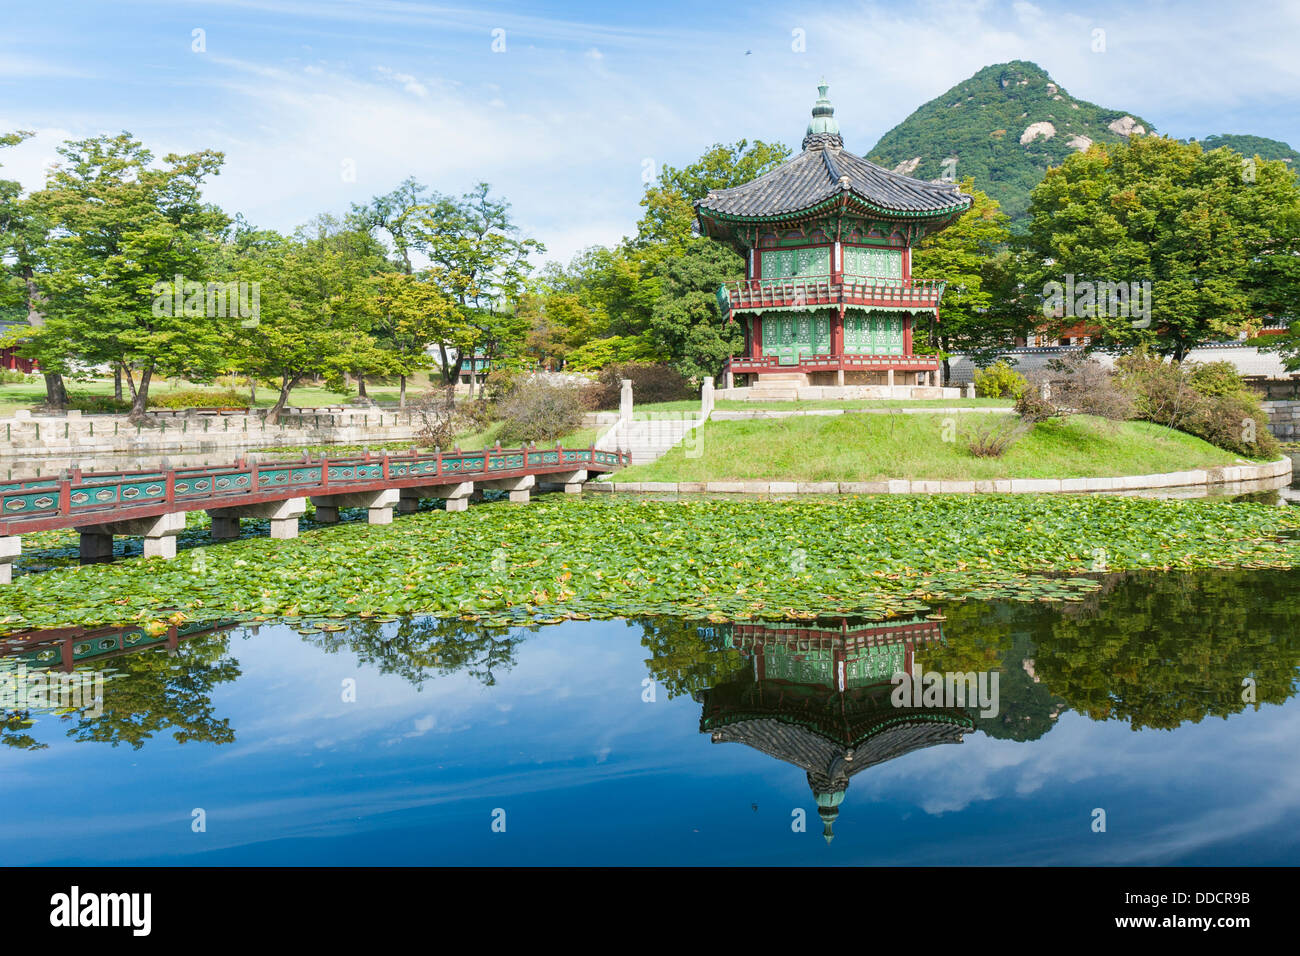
(224, 527)
(379, 505)
(519, 487)
(283, 516)
(456, 495)
(159, 535)
(570, 481)
(11, 546)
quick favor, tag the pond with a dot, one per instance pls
(1162, 704)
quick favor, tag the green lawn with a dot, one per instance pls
(468, 441)
(879, 447)
(731, 405)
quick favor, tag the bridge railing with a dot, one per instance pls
(100, 495)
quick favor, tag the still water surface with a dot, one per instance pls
(663, 741)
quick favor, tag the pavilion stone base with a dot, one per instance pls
(809, 393)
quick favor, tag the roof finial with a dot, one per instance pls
(823, 130)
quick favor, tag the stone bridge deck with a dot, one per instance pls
(153, 504)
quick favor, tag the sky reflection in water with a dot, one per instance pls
(453, 722)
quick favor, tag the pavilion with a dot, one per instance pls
(828, 303)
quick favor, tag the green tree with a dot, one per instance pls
(676, 274)
(1201, 227)
(23, 232)
(483, 267)
(315, 307)
(122, 230)
(972, 257)
(410, 312)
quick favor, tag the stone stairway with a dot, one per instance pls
(778, 387)
(648, 436)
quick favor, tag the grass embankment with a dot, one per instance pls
(468, 441)
(879, 447)
(721, 559)
(732, 405)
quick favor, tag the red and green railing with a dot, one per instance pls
(810, 292)
(77, 498)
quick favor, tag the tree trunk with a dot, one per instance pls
(252, 391)
(401, 391)
(117, 383)
(140, 396)
(361, 385)
(130, 381)
(56, 393)
(445, 367)
(287, 382)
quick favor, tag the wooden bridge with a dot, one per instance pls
(152, 504)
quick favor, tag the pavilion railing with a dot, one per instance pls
(757, 295)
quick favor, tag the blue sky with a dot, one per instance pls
(319, 103)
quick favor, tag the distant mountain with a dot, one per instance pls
(1255, 146)
(1005, 126)
(1009, 122)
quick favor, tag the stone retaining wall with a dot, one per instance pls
(1277, 472)
(1284, 419)
(112, 435)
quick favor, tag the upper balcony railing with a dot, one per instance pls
(757, 295)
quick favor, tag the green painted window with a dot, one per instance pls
(787, 263)
(793, 335)
(878, 263)
(873, 333)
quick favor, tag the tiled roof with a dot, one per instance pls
(823, 171)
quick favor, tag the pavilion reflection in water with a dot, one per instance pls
(818, 696)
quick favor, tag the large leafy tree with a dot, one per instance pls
(315, 306)
(483, 264)
(674, 298)
(23, 231)
(410, 312)
(973, 258)
(121, 227)
(1208, 230)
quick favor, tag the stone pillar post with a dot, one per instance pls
(970, 389)
(706, 396)
(625, 400)
(11, 547)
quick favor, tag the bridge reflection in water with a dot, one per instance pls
(819, 697)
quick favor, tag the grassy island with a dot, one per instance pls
(860, 447)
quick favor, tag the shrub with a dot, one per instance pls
(11, 376)
(999, 380)
(199, 398)
(1216, 378)
(94, 404)
(1226, 414)
(539, 411)
(440, 417)
(992, 435)
(599, 353)
(1081, 385)
(651, 382)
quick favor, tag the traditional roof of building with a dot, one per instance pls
(823, 173)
